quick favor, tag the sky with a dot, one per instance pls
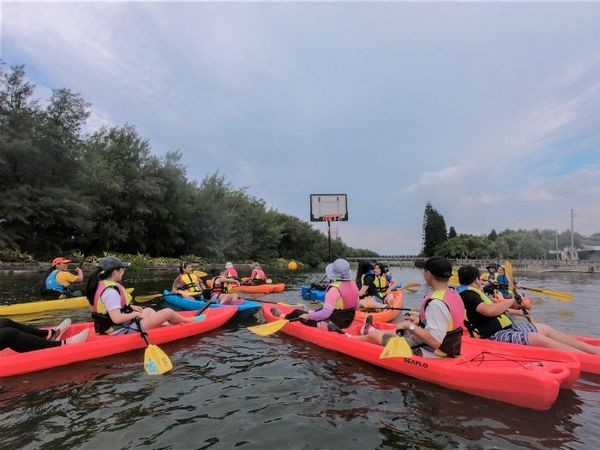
(490, 111)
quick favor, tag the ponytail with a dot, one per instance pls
(92, 285)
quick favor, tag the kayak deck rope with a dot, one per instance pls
(486, 357)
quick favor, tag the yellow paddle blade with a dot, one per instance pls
(454, 280)
(411, 286)
(156, 362)
(199, 273)
(268, 328)
(397, 347)
(509, 274)
(558, 295)
(146, 298)
(269, 281)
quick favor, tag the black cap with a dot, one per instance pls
(437, 265)
(112, 262)
(468, 274)
(494, 265)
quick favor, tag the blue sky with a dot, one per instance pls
(491, 111)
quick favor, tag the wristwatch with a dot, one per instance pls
(412, 327)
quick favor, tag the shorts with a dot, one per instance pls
(517, 334)
(116, 330)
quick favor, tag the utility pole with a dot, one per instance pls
(573, 255)
(556, 236)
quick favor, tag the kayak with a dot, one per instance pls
(589, 363)
(267, 288)
(506, 377)
(47, 305)
(311, 293)
(243, 310)
(98, 346)
(383, 315)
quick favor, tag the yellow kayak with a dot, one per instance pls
(47, 305)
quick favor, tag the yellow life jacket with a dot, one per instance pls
(191, 284)
(503, 319)
(381, 284)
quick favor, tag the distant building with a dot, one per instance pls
(589, 252)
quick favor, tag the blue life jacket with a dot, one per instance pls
(52, 283)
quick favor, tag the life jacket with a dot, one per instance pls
(491, 276)
(52, 283)
(381, 283)
(259, 274)
(192, 283)
(503, 319)
(102, 321)
(362, 278)
(218, 287)
(348, 294)
(502, 281)
(451, 344)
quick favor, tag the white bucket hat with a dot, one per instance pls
(228, 265)
(338, 270)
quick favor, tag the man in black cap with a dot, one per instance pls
(437, 332)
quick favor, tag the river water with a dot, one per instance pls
(231, 388)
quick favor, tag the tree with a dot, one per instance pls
(493, 235)
(434, 230)
(451, 233)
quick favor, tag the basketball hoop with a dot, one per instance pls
(333, 218)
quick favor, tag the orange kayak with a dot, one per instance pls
(383, 315)
(267, 288)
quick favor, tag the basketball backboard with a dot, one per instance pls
(328, 204)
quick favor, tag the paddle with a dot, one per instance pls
(395, 309)
(511, 286)
(156, 362)
(147, 298)
(561, 296)
(200, 274)
(410, 287)
(271, 327)
(397, 347)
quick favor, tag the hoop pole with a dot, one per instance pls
(329, 238)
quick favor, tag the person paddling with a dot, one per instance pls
(187, 281)
(490, 320)
(57, 283)
(340, 304)
(257, 276)
(437, 332)
(111, 310)
(23, 338)
(220, 286)
(230, 271)
(376, 287)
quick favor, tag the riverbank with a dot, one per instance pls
(532, 266)
(147, 264)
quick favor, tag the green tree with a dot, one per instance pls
(434, 230)
(451, 233)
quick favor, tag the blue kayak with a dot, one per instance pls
(314, 294)
(244, 310)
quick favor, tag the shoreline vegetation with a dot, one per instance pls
(144, 262)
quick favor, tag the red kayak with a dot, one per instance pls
(589, 363)
(510, 377)
(98, 346)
